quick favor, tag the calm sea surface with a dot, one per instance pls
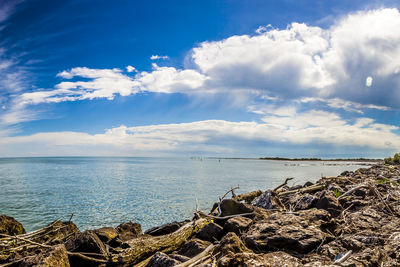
(151, 191)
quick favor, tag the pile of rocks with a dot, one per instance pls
(349, 220)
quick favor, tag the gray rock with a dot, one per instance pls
(193, 247)
(211, 232)
(129, 230)
(237, 224)
(300, 232)
(162, 260)
(267, 201)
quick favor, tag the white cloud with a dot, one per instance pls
(284, 70)
(106, 83)
(156, 57)
(131, 69)
(343, 104)
(297, 62)
(213, 136)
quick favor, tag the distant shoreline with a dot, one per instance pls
(304, 159)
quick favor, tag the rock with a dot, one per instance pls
(106, 234)
(232, 207)
(211, 232)
(300, 232)
(56, 256)
(248, 197)
(231, 244)
(267, 200)
(10, 226)
(336, 189)
(193, 247)
(129, 230)
(329, 202)
(237, 224)
(367, 257)
(306, 184)
(162, 260)
(273, 259)
(302, 201)
(86, 241)
(178, 257)
(165, 229)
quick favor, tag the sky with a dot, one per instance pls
(226, 78)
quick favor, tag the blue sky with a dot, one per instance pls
(226, 78)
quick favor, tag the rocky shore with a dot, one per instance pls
(349, 220)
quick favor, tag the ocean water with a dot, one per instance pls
(151, 191)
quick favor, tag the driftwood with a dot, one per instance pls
(343, 258)
(201, 215)
(284, 183)
(199, 258)
(9, 244)
(144, 246)
(352, 190)
(303, 190)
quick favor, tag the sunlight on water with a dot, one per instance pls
(151, 191)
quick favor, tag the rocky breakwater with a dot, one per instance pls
(349, 220)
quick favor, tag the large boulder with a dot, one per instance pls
(299, 232)
(211, 232)
(237, 224)
(232, 207)
(329, 202)
(86, 241)
(193, 247)
(129, 230)
(106, 234)
(10, 226)
(230, 244)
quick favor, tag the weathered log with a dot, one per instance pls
(196, 259)
(303, 190)
(144, 246)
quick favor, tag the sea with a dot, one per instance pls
(107, 191)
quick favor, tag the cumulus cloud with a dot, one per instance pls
(217, 135)
(106, 83)
(299, 61)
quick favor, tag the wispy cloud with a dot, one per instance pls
(156, 57)
(13, 76)
(7, 8)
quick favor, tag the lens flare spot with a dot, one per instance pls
(368, 81)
